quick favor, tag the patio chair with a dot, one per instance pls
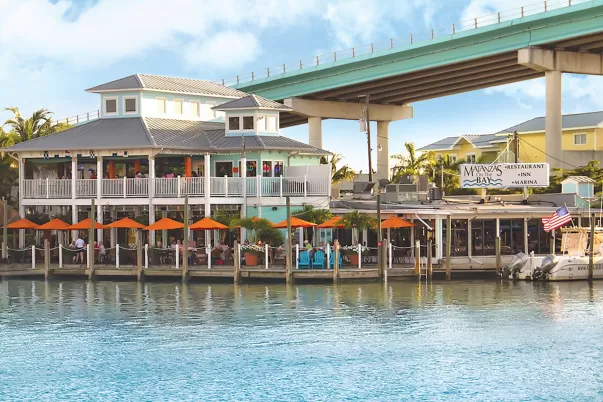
(318, 262)
(304, 259)
(332, 260)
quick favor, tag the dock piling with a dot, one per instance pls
(289, 262)
(91, 234)
(336, 262)
(429, 260)
(5, 231)
(185, 245)
(138, 255)
(498, 256)
(237, 262)
(418, 258)
(46, 258)
(591, 247)
(448, 249)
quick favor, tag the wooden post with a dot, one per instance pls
(138, 254)
(429, 260)
(379, 237)
(289, 257)
(237, 263)
(5, 230)
(336, 261)
(46, 258)
(418, 258)
(591, 247)
(498, 256)
(185, 245)
(448, 247)
(91, 233)
(553, 242)
(383, 268)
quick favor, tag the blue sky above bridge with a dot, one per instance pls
(50, 51)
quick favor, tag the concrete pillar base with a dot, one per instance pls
(553, 128)
(383, 170)
(315, 131)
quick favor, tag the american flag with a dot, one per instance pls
(559, 218)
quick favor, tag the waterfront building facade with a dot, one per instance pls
(159, 139)
(581, 141)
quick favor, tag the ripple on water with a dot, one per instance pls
(405, 341)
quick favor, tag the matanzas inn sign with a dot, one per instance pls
(501, 175)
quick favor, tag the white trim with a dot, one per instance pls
(159, 98)
(123, 101)
(198, 103)
(174, 101)
(581, 134)
(105, 99)
(167, 92)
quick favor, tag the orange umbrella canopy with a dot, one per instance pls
(85, 224)
(22, 224)
(125, 223)
(207, 224)
(334, 222)
(255, 219)
(165, 224)
(394, 222)
(295, 223)
(55, 224)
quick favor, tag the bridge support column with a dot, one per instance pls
(383, 150)
(315, 131)
(553, 128)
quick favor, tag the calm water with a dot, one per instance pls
(444, 341)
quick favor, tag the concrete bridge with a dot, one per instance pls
(545, 39)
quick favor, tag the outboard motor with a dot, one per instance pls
(514, 267)
(548, 263)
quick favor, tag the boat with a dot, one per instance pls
(572, 264)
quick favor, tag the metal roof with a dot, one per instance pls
(96, 134)
(150, 132)
(578, 179)
(568, 121)
(169, 84)
(252, 102)
(477, 140)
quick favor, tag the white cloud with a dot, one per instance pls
(580, 93)
(217, 51)
(481, 9)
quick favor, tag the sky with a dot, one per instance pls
(51, 51)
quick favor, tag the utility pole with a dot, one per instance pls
(516, 145)
(367, 120)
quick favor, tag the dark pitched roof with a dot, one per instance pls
(97, 134)
(568, 121)
(170, 84)
(478, 140)
(252, 102)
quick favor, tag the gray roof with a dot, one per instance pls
(252, 102)
(478, 140)
(578, 179)
(568, 121)
(170, 84)
(97, 134)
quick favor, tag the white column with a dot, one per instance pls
(525, 236)
(164, 237)
(439, 238)
(383, 171)
(469, 239)
(151, 240)
(151, 196)
(73, 177)
(553, 119)
(208, 232)
(21, 206)
(315, 131)
(74, 220)
(243, 174)
(99, 219)
(412, 239)
(207, 177)
(99, 177)
(113, 233)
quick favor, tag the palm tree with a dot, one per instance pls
(262, 229)
(450, 167)
(412, 164)
(314, 215)
(358, 221)
(21, 129)
(338, 174)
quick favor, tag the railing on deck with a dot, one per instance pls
(179, 187)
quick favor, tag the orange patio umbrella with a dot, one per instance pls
(22, 224)
(255, 219)
(394, 222)
(55, 224)
(125, 223)
(295, 223)
(85, 224)
(207, 224)
(165, 224)
(334, 222)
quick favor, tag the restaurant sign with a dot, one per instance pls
(501, 175)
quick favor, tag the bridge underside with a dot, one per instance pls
(446, 80)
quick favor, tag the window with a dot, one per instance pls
(234, 123)
(248, 123)
(195, 109)
(453, 158)
(278, 168)
(130, 105)
(223, 169)
(111, 105)
(470, 158)
(580, 139)
(252, 169)
(271, 124)
(267, 168)
(177, 106)
(161, 105)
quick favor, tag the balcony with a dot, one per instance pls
(176, 187)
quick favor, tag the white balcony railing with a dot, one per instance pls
(179, 187)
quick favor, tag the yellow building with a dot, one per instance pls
(582, 142)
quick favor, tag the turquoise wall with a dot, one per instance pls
(585, 190)
(569, 188)
(120, 104)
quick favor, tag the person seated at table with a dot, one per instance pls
(308, 247)
(159, 244)
(102, 252)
